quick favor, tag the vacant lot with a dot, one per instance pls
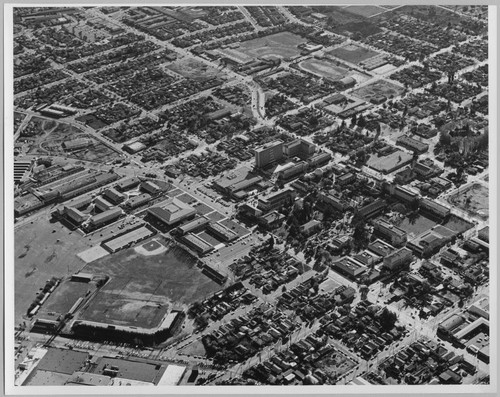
(353, 53)
(40, 254)
(474, 200)
(378, 88)
(457, 224)
(193, 69)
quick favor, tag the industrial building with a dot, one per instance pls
(269, 154)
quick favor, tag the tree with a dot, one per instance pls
(387, 319)
(444, 139)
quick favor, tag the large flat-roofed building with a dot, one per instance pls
(434, 208)
(128, 239)
(197, 243)
(102, 204)
(222, 232)
(79, 202)
(173, 212)
(427, 243)
(137, 201)
(381, 248)
(105, 217)
(236, 181)
(192, 226)
(319, 160)
(75, 215)
(276, 200)
(76, 144)
(299, 148)
(396, 236)
(329, 198)
(349, 267)
(373, 209)
(451, 323)
(150, 187)
(293, 171)
(127, 184)
(398, 259)
(268, 154)
(412, 144)
(114, 196)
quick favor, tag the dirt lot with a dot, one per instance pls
(39, 255)
(193, 69)
(474, 200)
(380, 87)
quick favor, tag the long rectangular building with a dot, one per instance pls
(128, 239)
(106, 216)
(195, 242)
(222, 232)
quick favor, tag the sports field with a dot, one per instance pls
(323, 68)
(279, 45)
(142, 288)
(353, 53)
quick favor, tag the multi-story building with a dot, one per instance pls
(268, 154)
(276, 200)
(393, 234)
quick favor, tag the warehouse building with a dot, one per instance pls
(137, 201)
(193, 226)
(127, 184)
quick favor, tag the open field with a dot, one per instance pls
(474, 200)
(41, 254)
(170, 277)
(353, 53)
(323, 68)
(457, 224)
(279, 45)
(378, 88)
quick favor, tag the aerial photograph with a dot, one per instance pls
(250, 196)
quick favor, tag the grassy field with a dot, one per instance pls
(457, 224)
(40, 254)
(353, 53)
(416, 226)
(474, 200)
(323, 68)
